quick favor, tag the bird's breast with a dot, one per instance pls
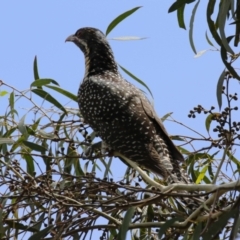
(113, 109)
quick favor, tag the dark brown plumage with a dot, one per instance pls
(120, 113)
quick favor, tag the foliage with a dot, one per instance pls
(51, 187)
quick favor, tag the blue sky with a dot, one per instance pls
(164, 61)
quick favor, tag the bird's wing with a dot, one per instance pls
(150, 112)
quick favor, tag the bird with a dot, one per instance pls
(120, 113)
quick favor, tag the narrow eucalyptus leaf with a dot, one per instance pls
(208, 121)
(125, 224)
(222, 16)
(46, 96)
(191, 27)
(30, 165)
(11, 100)
(120, 18)
(34, 146)
(220, 87)
(208, 40)
(127, 38)
(200, 53)
(22, 127)
(167, 225)
(180, 17)
(41, 234)
(137, 79)
(211, 24)
(35, 68)
(43, 81)
(202, 174)
(6, 140)
(227, 64)
(64, 92)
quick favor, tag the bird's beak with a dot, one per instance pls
(71, 38)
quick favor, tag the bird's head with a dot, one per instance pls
(88, 38)
(97, 51)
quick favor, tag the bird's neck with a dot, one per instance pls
(100, 60)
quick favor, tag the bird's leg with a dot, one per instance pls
(92, 148)
(102, 146)
(106, 149)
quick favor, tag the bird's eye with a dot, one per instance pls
(78, 33)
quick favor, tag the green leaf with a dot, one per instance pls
(219, 224)
(4, 199)
(9, 132)
(64, 92)
(17, 143)
(127, 38)
(208, 40)
(22, 127)
(202, 174)
(39, 221)
(29, 161)
(71, 152)
(36, 123)
(210, 171)
(46, 135)
(166, 116)
(34, 146)
(30, 131)
(197, 231)
(45, 158)
(6, 140)
(42, 82)
(180, 17)
(137, 79)
(11, 100)
(46, 96)
(19, 226)
(200, 53)
(198, 156)
(78, 169)
(167, 225)
(219, 88)
(208, 121)
(236, 226)
(234, 22)
(177, 138)
(59, 122)
(184, 151)
(191, 27)
(108, 167)
(35, 68)
(224, 7)
(120, 18)
(3, 93)
(227, 64)
(125, 224)
(192, 159)
(234, 160)
(41, 234)
(150, 213)
(178, 4)
(211, 24)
